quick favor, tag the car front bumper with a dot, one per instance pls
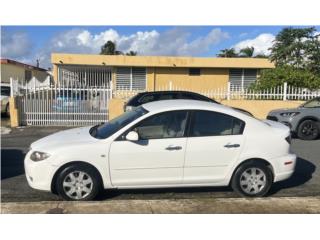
(284, 167)
(288, 121)
(39, 174)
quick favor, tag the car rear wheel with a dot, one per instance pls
(252, 179)
(308, 130)
(78, 182)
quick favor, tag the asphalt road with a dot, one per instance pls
(14, 187)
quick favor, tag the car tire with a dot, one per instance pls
(78, 182)
(308, 130)
(252, 179)
(7, 110)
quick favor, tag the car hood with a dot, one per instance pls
(284, 110)
(63, 138)
(278, 127)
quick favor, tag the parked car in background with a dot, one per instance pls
(5, 95)
(146, 97)
(303, 121)
(73, 100)
(173, 143)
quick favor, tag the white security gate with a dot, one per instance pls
(64, 106)
(81, 98)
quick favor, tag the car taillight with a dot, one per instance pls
(288, 139)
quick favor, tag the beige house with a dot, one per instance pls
(156, 72)
(22, 72)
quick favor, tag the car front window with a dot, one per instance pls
(312, 103)
(106, 130)
(163, 125)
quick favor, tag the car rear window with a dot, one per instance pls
(208, 123)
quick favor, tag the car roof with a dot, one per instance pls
(169, 91)
(181, 104)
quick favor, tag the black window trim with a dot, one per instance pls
(121, 136)
(191, 124)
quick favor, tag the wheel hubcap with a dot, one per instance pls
(308, 129)
(77, 185)
(253, 180)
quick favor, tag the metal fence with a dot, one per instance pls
(228, 92)
(59, 105)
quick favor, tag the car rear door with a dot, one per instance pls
(214, 143)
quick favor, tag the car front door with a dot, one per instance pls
(214, 143)
(157, 158)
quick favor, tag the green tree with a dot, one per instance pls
(131, 53)
(228, 53)
(296, 54)
(247, 52)
(313, 54)
(110, 48)
(270, 78)
(294, 46)
(261, 56)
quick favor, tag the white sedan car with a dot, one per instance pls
(173, 143)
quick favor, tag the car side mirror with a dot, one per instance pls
(132, 136)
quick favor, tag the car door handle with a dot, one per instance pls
(170, 148)
(232, 145)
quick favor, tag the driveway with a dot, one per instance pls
(14, 187)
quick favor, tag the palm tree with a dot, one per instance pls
(247, 52)
(261, 56)
(227, 53)
(110, 48)
(131, 53)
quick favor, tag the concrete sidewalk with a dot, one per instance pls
(218, 205)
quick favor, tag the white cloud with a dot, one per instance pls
(261, 43)
(173, 42)
(15, 44)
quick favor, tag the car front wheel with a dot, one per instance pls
(78, 182)
(252, 179)
(308, 130)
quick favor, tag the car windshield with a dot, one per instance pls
(5, 91)
(312, 103)
(106, 130)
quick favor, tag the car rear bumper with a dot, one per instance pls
(284, 167)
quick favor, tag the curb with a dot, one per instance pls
(203, 206)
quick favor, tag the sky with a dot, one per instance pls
(29, 43)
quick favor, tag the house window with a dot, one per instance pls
(242, 78)
(131, 78)
(194, 71)
(27, 75)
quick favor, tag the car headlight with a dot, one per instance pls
(289, 114)
(39, 156)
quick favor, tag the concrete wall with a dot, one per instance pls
(159, 61)
(162, 69)
(18, 72)
(259, 108)
(210, 78)
(13, 71)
